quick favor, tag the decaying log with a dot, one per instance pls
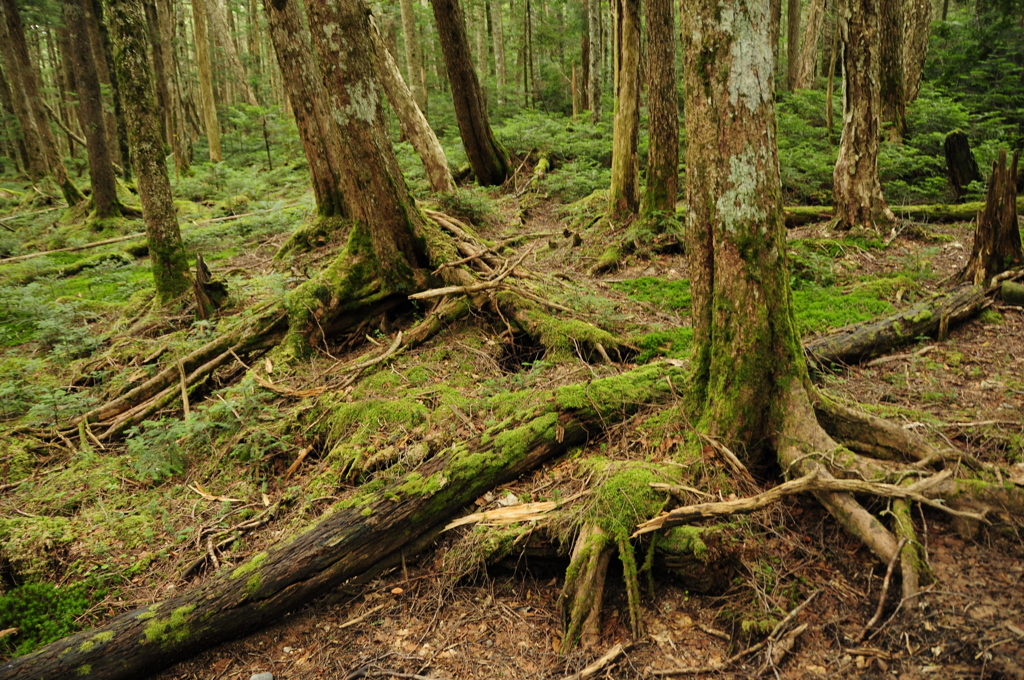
(859, 341)
(797, 216)
(358, 535)
(961, 167)
(997, 245)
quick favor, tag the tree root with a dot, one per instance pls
(583, 591)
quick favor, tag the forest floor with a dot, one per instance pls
(450, 612)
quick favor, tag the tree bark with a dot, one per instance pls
(35, 159)
(498, 33)
(178, 134)
(345, 543)
(117, 142)
(594, 72)
(624, 194)
(163, 96)
(201, 36)
(663, 110)
(487, 158)
(792, 43)
(809, 45)
(917, 24)
(66, 79)
(857, 191)
(413, 55)
(414, 124)
(15, 136)
(997, 244)
(892, 44)
(218, 26)
(90, 110)
(166, 251)
(961, 167)
(33, 95)
(303, 81)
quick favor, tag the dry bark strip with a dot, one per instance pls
(348, 542)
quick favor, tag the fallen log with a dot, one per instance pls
(797, 216)
(362, 532)
(930, 316)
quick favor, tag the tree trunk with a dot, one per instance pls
(857, 191)
(663, 110)
(201, 35)
(498, 33)
(624, 195)
(892, 44)
(218, 26)
(32, 92)
(487, 158)
(917, 27)
(178, 133)
(774, 31)
(15, 134)
(413, 55)
(792, 43)
(253, 43)
(809, 45)
(321, 138)
(90, 110)
(66, 79)
(594, 81)
(585, 71)
(166, 252)
(961, 167)
(122, 154)
(414, 125)
(30, 137)
(163, 96)
(997, 245)
(345, 543)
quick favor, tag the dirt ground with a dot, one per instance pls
(413, 621)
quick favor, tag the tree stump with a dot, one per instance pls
(961, 166)
(997, 244)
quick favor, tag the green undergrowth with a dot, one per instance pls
(43, 612)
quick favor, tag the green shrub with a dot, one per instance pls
(42, 613)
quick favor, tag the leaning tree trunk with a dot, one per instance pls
(594, 81)
(348, 542)
(997, 245)
(201, 34)
(856, 189)
(35, 160)
(33, 94)
(414, 124)
(809, 45)
(792, 43)
(90, 111)
(321, 137)
(166, 252)
(917, 25)
(486, 155)
(892, 43)
(663, 111)
(413, 55)
(624, 194)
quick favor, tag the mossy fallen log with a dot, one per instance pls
(361, 532)
(797, 216)
(931, 316)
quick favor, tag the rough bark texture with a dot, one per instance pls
(201, 35)
(36, 161)
(175, 116)
(355, 538)
(961, 166)
(33, 95)
(486, 156)
(857, 191)
(117, 140)
(413, 55)
(624, 194)
(163, 95)
(218, 24)
(303, 81)
(594, 72)
(891, 38)
(90, 110)
(997, 245)
(166, 252)
(809, 45)
(663, 110)
(917, 24)
(414, 124)
(792, 42)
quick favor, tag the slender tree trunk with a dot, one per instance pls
(65, 82)
(594, 84)
(624, 195)
(498, 33)
(180, 142)
(792, 42)
(166, 252)
(90, 110)
(662, 110)
(917, 24)
(253, 45)
(219, 27)
(32, 92)
(809, 45)
(163, 96)
(775, 30)
(414, 125)
(35, 158)
(487, 158)
(857, 191)
(321, 138)
(12, 125)
(123, 155)
(205, 68)
(891, 39)
(413, 54)
(585, 70)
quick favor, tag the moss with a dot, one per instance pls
(31, 545)
(149, 613)
(624, 392)
(625, 497)
(173, 629)
(83, 670)
(254, 563)
(86, 646)
(685, 540)
(608, 260)
(253, 584)
(367, 511)
(105, 636)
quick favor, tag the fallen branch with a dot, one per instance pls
(71, 249)
(593, 669)
(885, 591)
(29, 214)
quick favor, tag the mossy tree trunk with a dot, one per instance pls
(917, 25)
(166, 251)
(486, 156)
(856, 189)
(809, 45)
(33, 95)
(90, 110)
(892, 77)
(624, 194)
(304, 84)
(997, 244)
(204, 67)
(663, 110)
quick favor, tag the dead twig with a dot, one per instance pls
(885, 591)
(593, 669)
